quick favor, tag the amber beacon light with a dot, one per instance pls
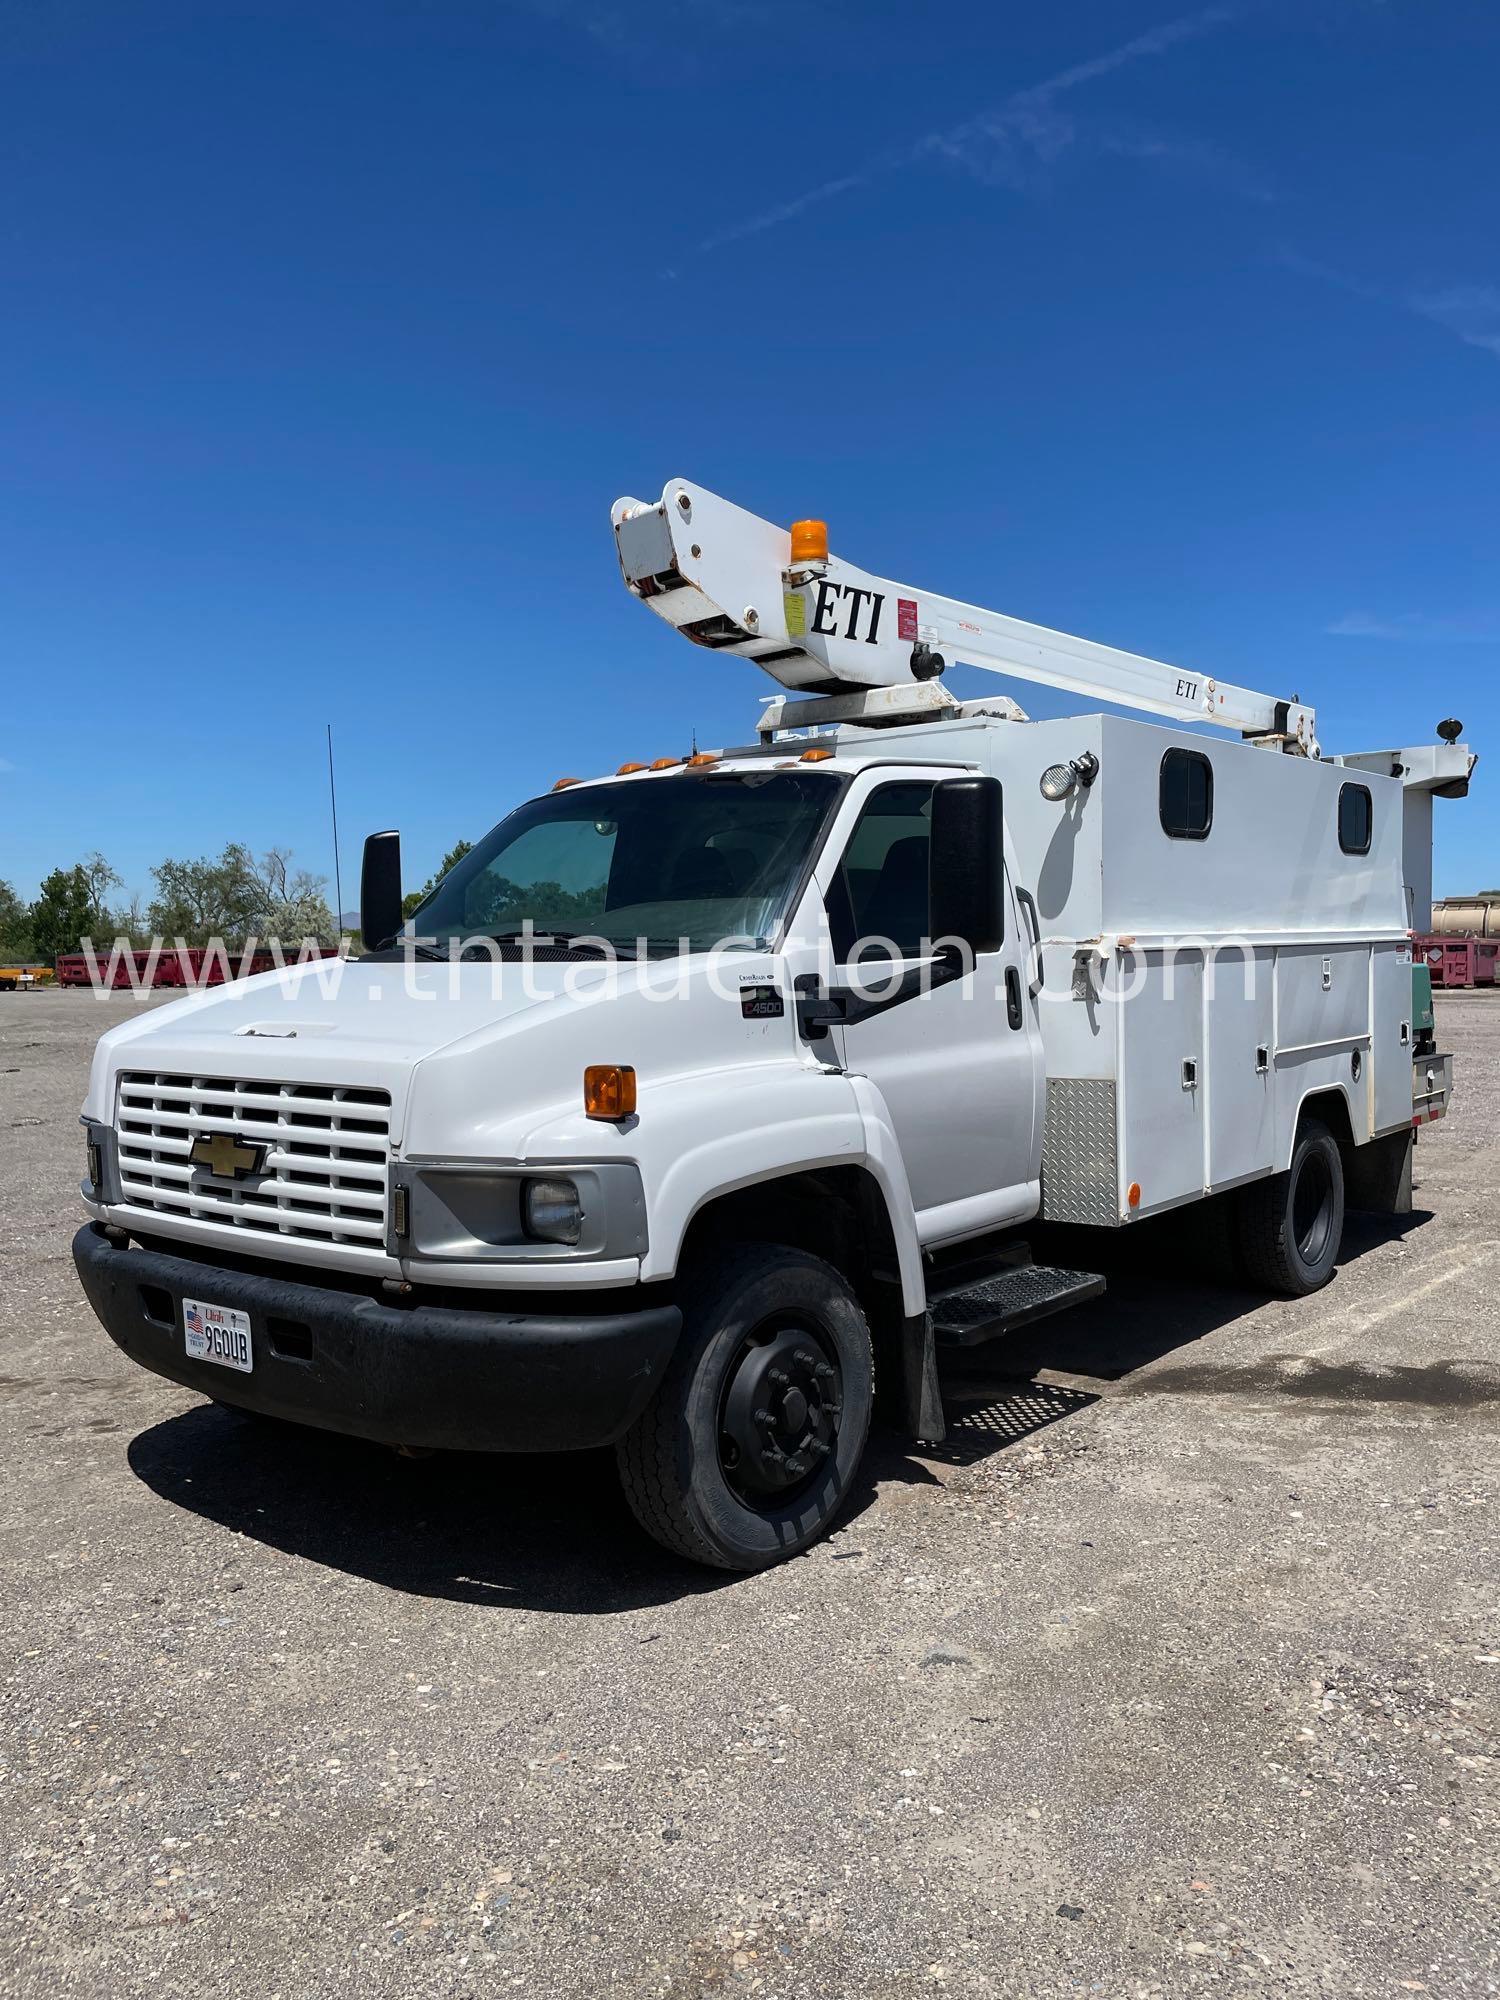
(809, 541)
(609, 1091)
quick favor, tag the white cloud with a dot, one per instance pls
(1415, 628)
(1012, 144)
(1470, 311)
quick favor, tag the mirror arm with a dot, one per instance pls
(818, 1010)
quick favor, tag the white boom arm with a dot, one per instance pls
(726, 579)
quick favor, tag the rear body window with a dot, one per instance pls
(1356, 819)
(1187, 794)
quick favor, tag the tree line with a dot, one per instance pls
(235, 897)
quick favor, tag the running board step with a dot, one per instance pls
(998, 1305)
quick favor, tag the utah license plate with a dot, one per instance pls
(217, 1333)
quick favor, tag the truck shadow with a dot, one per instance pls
(544, 1532)
(1167, 1292)
(553, 1532)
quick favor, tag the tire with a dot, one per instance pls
(1291, 1225)
(749, 1446)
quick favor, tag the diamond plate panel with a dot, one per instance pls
(1080, 1175)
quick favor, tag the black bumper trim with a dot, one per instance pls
(441, 1377)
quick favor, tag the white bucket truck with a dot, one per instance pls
(700, 1098)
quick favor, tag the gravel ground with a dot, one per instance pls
(1176, 1670)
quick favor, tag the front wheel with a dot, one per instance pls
(749, 1446)
(1291, 1224)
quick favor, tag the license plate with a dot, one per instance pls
(217, 1333)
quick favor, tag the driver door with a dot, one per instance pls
(960, 1066)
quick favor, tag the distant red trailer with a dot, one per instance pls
(146, 970)
(1486, 955)
(1452, 961)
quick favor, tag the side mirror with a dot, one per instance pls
(966, 880)
(380, 889)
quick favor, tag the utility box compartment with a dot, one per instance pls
(1212, 953)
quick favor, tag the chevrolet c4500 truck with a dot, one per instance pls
(701, 1099)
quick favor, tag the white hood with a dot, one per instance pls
(505, 1043)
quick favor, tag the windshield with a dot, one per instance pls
(695, 857)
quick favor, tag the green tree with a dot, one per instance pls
(63, 913)
(199, 900)
(15, 925)
(101, 878)
(451, 859)
(237, 898)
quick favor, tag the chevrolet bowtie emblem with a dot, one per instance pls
(225, 1157)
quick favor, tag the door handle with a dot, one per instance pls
(1013, 1012)
(1027, 902)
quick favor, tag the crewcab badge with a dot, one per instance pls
(225, 1157)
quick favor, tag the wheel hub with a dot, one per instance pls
(781, 1412)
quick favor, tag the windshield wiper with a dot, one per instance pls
(393, 952)
(626, 947)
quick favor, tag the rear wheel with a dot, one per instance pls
(748, 1448)
(1291, 1225)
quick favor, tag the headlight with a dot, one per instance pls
(551, 1211)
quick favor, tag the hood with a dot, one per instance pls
(500, 1042)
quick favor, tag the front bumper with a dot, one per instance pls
(433, 1376)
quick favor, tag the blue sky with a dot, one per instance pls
(331, 331)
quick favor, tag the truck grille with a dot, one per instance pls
(324, 1176)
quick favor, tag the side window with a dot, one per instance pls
(1356, 819)
(1187, 794)
(878, 903)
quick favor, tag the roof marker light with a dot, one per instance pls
(701, 757)
(665, 763)
(814, 756)
(626, 769)
(563, 784)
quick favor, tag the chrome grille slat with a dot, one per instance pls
(164, 1147)
(327, 1154)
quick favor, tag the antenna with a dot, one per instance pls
(333, 807)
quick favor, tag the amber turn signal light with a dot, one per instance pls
(609, 1091)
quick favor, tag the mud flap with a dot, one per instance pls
(1377, 1176)
(921, 1396)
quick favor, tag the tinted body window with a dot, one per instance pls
(878, 906)
(1187, 794)
(1356, 819)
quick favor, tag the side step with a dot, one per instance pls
(998, 1305)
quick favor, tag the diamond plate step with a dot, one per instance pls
(999, 1305)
